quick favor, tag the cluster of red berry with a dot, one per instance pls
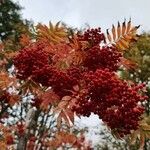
(101, 58)
(114, 100)
(30, 59)
(93, 36)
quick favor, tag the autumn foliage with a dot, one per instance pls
(61, 74)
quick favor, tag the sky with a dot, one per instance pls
(96, 13)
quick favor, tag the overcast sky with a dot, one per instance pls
(96, 13)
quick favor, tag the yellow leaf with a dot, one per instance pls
(54, 33)
(127, 37)
(142, 141)
(61, 34)
(119, 46)
(124, 44)
(146, 127)
(134, 136)
(147, 135)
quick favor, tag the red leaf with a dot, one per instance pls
(49, 97)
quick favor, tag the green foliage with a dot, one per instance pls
(12, 26)
(139, 53)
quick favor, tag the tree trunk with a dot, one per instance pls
(31, 121)
(22, 143)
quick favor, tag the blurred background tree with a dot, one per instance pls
(140, 54)
(12, 25)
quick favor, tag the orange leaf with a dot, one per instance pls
(66, 119)
(59, 119)
(13, 99)
(124, 43)
(76, 88)
(128, 26)
(70, 115)
(123, 28)
(62, 115)
(66, 98)
(125, 35)
(3, 145)
(63, 104)
(49, 97)
(118, 30)
(113, 32)
(109, 36)
(142, 141)
(1, 46)
(6, 81)
(54, 33)
(128, 63)
(24, 40)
